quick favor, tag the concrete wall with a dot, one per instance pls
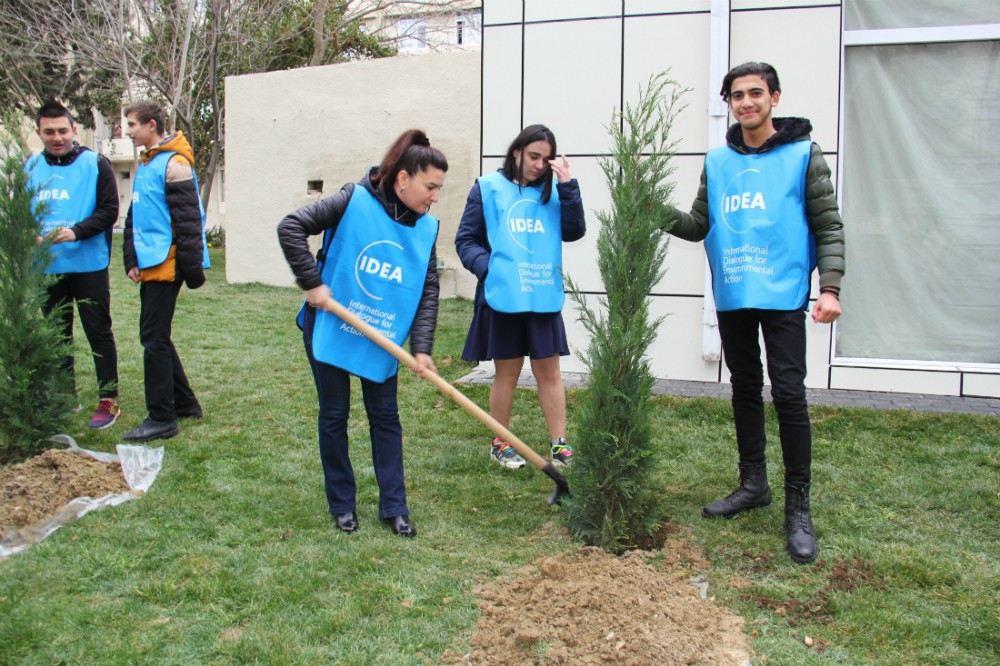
(287, 130)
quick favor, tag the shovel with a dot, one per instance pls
(562, 487)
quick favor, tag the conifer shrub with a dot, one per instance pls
(35, 390)
(615, 478)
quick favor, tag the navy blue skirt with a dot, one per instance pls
(501, 335)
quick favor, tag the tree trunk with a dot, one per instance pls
(319, 33)
(207, 182)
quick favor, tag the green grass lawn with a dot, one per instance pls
(232, 558)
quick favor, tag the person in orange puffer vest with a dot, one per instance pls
(164, 247)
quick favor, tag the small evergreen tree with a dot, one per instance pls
(615, 492)
(35, 390)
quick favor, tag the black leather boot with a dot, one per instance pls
(801, 536)
(753, 492)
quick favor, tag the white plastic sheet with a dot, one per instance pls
(140, 465)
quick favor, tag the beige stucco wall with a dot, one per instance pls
(329, 124)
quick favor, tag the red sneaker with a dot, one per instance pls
(106, 415)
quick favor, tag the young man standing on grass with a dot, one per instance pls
(77, 187)
(768, 214)
(164, 246)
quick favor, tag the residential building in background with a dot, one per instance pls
(428, 27)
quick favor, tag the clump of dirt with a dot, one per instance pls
(589, 607)
(845, 576)
(38, 488)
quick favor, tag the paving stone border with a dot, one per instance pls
(918, 402)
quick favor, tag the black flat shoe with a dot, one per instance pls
(149, 430)
(347, 522)
(403, 526)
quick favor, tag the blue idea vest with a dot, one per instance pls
(759, 245)
(525, 269)
(376, 268)
(152, 232)
(69, 194)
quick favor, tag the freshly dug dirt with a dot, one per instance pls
(589, 607)
(37, 488)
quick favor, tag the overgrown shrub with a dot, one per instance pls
(35, 390)
(614, 481)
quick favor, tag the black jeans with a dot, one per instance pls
(167, 388)
(92, 294)
(333, 387)
(784, 334)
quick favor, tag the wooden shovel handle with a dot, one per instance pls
(444, 386)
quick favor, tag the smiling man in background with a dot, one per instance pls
(768, 214)
(78, 190)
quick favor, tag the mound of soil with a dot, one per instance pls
(38, 488)
(590, 607)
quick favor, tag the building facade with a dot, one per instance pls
(416, 28)
(900, 95)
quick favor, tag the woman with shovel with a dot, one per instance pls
(378, 259)
(511, 238)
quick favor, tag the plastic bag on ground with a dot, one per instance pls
(140, 465)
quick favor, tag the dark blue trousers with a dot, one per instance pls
(333, 386)
(784, 335)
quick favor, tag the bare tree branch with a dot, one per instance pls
(181, 50)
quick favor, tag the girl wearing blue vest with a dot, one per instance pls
(511, 238)
(378, 259)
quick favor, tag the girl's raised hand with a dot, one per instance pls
(561, 169)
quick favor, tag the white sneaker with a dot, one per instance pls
(505, 454)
